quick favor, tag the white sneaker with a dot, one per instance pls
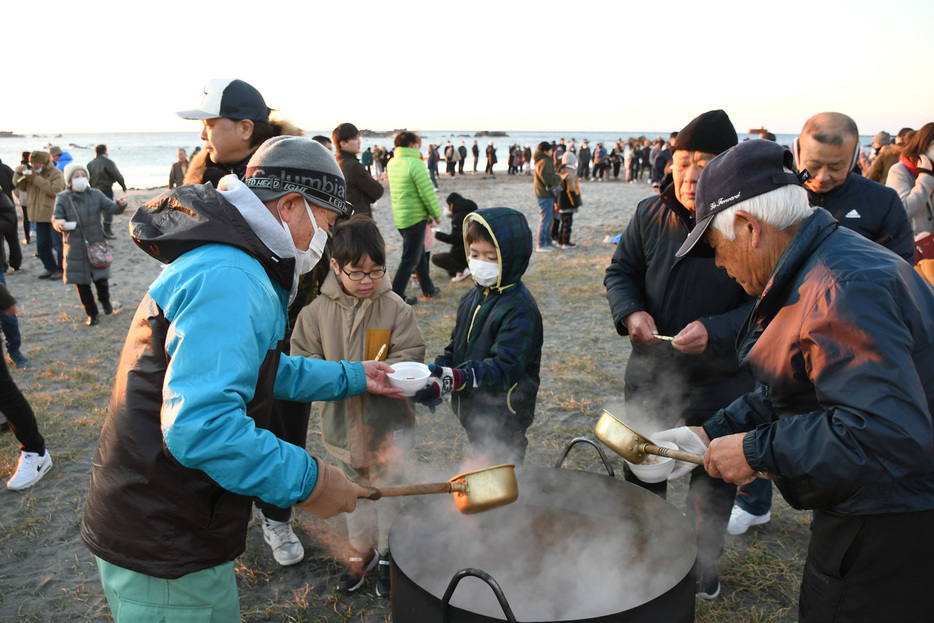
(30, 469)
(286, 548)
(741, 521)
(461, 275)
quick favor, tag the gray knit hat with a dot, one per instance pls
(882, 138)
(295, 164)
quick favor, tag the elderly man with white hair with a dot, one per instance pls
(841, 342)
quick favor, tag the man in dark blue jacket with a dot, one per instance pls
(827, 149)
(841, 343)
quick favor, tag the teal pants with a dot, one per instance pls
(208, 596)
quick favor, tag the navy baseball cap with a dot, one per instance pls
(748, 170)
(233, 99)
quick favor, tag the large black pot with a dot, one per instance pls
(576, 546)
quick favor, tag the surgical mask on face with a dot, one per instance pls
(306, 260)
(484, 273)
(37, 169)
(930, 152)
(79, 184)
(320, 239)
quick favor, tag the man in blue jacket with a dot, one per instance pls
(828, 148)
(184, 448)
(841, 342)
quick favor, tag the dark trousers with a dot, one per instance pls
(460, 167)
(15, 259)
(451, 167)
(289, 422)
(561, 227)
(10, 326)
(708, 507)
(108, 217)
(756, 497)
(87, 297)
(18, 413)
(49, 247)
(498, 439)
(453, 262)
(869, 568)
(413, 259)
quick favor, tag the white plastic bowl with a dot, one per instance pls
(411, 376)
(658, 469)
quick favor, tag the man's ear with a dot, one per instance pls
(291, 207)
(749, 226)
(245, 129)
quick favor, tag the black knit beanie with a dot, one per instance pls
(711, 133)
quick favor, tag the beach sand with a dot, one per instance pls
(46, 573)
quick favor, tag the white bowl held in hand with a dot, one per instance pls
(411, 376)
(655, 468)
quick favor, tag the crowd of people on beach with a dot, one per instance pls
(769, 293)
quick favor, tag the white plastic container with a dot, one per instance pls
(655, 468)
(411, 376)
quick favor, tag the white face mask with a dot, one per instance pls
(306, 260)
(930, 152)
(484, 273)
(38, 169)
(79, 184)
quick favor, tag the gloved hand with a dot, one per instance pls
(442, 382)
(686, 440)
(333, 493)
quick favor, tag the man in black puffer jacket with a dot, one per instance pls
(651, 292)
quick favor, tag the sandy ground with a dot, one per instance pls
(47, 574)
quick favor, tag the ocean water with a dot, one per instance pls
(144, 158)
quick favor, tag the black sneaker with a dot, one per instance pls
(708, 587)
(382, 584)
(357, 566)
(411, 300)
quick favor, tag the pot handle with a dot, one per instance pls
(587, 440)
(486, 577)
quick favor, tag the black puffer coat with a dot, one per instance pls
(645, 275)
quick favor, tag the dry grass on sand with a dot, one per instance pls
(46, 573)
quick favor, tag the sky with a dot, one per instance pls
(473, 65)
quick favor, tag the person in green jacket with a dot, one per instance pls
(414, 206)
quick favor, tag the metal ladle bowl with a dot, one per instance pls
(635, 448)
(474, 492)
